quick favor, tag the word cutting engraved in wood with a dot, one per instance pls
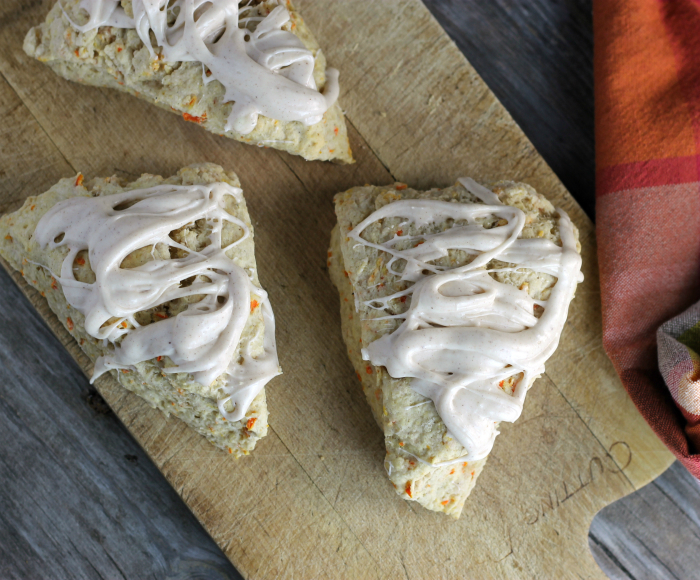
(597, 467)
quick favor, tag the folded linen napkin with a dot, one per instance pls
(679, 361)
(647, 73)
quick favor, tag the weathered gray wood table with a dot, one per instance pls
(78, 497)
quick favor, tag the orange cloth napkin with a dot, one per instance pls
(647, 75)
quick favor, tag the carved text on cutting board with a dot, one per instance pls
(597, 467)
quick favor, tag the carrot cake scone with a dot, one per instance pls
(157, 281)
(452, 300)
(249, 69)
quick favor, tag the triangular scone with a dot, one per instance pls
(111, 56)
(45, 267)
(417, 440)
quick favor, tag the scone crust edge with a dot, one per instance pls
(445, 488)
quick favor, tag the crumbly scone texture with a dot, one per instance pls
(117, 58)
(412, 427)
(176, 393)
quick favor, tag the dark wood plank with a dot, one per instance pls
(537, 57)
(653, 533)
(79, 498)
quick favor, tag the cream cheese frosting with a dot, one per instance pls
(203, 339)
(265, 70)
(465, 332)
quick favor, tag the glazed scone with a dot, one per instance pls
(189, 303)
(381, 257)
(114, 55)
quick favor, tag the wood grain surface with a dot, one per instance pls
(537, 58)
(79, 498)
(653, 534)
(312, 500)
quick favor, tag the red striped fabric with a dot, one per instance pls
(647, 73)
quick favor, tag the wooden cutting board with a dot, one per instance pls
(313, 500)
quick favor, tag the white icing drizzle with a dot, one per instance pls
(464, 331)
(201, 340)
(264, 69)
